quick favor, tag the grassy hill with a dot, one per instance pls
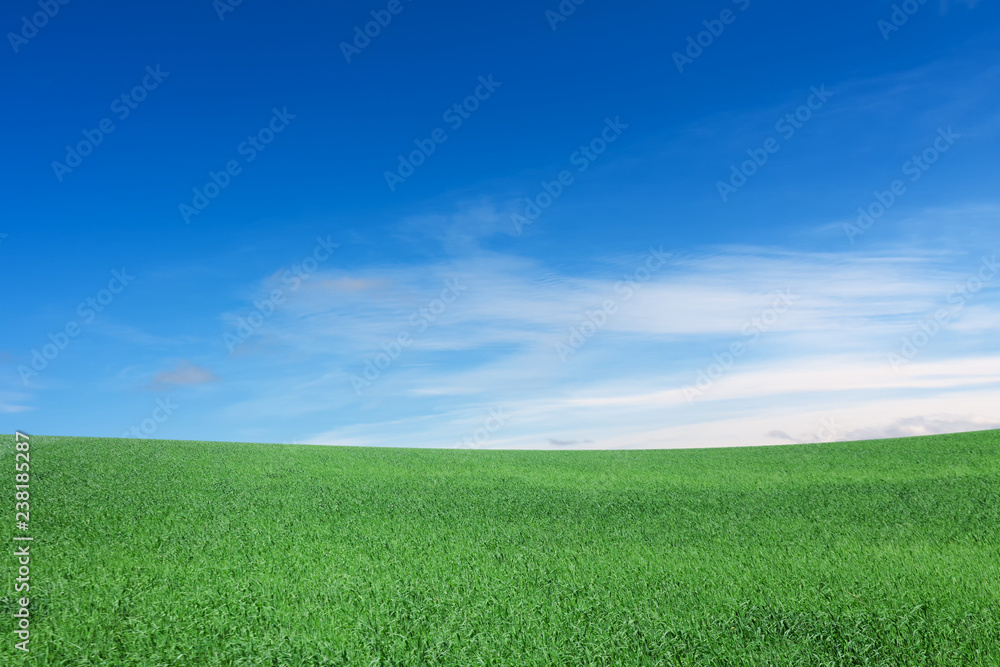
(203, 553)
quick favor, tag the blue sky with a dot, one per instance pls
(517, 224)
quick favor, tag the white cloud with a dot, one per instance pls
(495, 345)
(14, 402)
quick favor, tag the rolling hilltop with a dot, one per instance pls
(204, 553)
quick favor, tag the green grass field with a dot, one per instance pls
(201, 553)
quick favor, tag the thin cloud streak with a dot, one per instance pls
(496, 345)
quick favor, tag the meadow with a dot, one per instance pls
(159, 553)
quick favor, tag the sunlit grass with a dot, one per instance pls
(192, 553)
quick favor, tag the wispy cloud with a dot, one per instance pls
(13, 403)
(183, 374)
(625, 388)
